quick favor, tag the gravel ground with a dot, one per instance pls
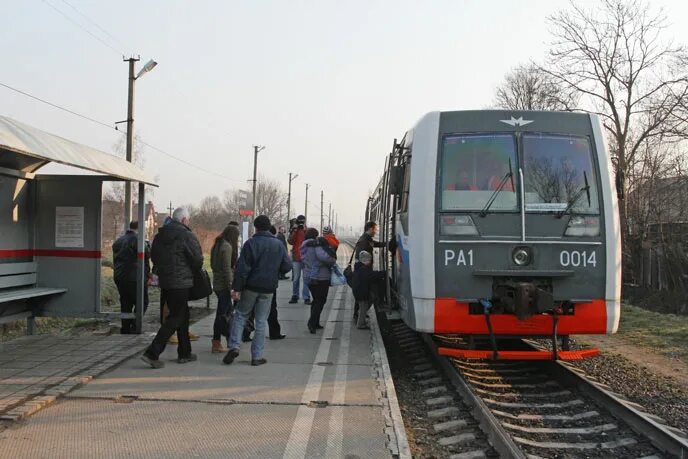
(659, 395)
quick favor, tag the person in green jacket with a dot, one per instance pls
(223, 258)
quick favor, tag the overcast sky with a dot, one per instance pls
(325, 85)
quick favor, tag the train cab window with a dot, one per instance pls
(473, 167)
(558, 172)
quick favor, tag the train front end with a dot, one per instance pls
(526, 232)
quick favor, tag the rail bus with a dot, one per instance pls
(506, 225)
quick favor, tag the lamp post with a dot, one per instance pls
(150, 65)
(256, 149)
(292, 177)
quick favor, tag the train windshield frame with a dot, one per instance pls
(559, 173)
(473, 166)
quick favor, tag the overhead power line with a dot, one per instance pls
(56, 106)
(101, 123)
(67, 17)
(83, 15)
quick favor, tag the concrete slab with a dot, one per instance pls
(87, 429)
(208, 409)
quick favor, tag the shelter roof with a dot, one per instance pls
(26, 148)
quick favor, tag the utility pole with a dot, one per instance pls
(329, 216)
(256, 149)
(305, 212)
(130, 137)
(150, 65)
(322, 204)
(170, 208)
(289, 195)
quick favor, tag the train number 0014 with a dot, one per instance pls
(575, 258)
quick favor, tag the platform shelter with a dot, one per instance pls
(50, 226)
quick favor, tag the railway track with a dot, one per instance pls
(525, 409)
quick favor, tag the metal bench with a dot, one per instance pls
(17, 287)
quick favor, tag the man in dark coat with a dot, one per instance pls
(256, 277)
(364, 279)
(366, 242)
(177, 255)
(283, 239)
(125, 259)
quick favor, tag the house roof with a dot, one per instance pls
(27, 149)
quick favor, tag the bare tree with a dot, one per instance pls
(613, 56)
(527, 87)
(272, 200)
(210, 214)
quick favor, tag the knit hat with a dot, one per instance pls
(365, 257)
(262, 223)
(327, 230)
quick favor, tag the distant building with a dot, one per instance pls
(150, 217)
(113, 220)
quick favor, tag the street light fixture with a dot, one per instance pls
(150, 65)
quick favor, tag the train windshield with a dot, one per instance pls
(473, 167)
(559, 174)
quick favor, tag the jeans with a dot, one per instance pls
(319, 289)
(177, 320)
(260, 304)
(127, 300)
(296, 269)
(223, 315)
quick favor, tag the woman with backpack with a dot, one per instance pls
(318, 258)
(223, 257)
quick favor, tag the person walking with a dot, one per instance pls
(297, 235)
(125, 260)
(364, 277)
(318, 258)
(274, 327)
(176, 255)
(256, 277)
(223, 258)
(283, 239)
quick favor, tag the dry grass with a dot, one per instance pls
(666, 334)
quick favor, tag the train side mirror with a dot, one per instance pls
(396, 180)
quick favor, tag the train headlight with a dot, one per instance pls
(522, 256)
(581, 225)
(457, 225)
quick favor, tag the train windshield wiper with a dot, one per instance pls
(572, 202)
(507, 176)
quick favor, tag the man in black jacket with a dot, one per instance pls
(364, 279)
(366, 243)
(177, 255)
(256, 277)
(283, 239)
(124, 253)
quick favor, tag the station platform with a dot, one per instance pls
(323, 395)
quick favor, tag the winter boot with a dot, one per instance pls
(218, 348)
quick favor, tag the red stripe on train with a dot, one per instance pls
(11, 253)
(452, 316)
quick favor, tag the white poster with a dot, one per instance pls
(69, 227)
(244, 232)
